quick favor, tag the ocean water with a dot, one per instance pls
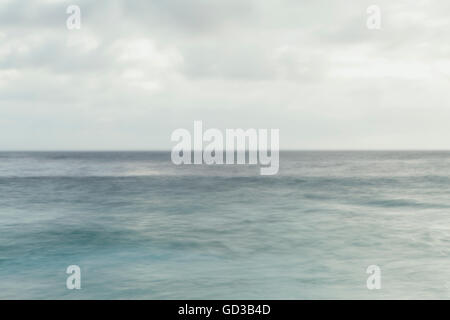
(140, 227)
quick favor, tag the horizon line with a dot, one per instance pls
(280, 150)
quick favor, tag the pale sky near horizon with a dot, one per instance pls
(137, 70)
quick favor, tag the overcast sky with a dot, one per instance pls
(137, 70)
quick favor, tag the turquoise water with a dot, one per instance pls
(142, 228)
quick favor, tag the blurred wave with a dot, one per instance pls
(140, 227)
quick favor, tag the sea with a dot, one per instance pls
(140, 227)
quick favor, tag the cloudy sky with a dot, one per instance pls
(137, 70)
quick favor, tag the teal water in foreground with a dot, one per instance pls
(140, 227)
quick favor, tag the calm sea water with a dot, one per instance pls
(142, 228)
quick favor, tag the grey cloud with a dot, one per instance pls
(139, 69)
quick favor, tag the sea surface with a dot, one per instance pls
(140, 227)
